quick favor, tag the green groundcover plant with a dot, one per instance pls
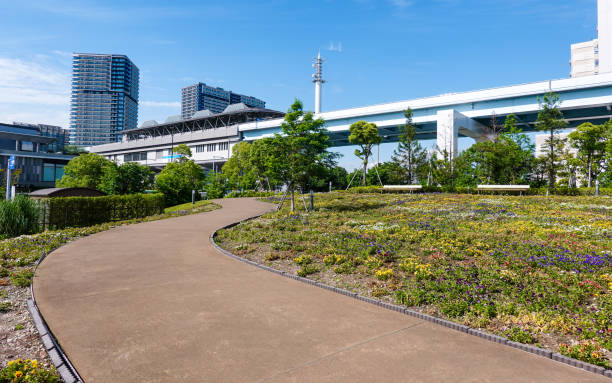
(27, 371)
(534, 269)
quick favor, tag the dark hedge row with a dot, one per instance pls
(59, 213)
(465, 190)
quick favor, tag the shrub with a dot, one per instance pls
(22, 278)
(250, 193)
(87, 211)
(18, 371)
(19, 216)
(307, 270)
(517, 334)
(365, 189)
(384, 274)
(5, 307)
(587, 352)
(178, 179)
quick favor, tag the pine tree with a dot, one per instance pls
(410, 155)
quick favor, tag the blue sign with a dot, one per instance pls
(172, 156)
(11, 163)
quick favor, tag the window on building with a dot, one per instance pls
(138, 156)
(59, 171)
(211, 147)
(223, 145)
(49, 172)
(27, 146)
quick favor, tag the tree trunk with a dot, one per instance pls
(292, 201)
(365, 170)
(589, 160)
(551, 157)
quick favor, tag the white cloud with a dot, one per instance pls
(163, 104)
(335, 47)
(35, 90)
(62, 53)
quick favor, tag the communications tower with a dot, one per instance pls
(317, 78)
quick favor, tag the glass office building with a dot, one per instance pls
(38, 153)
(104, 98)
(201, 96)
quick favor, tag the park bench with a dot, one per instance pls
(518, 188)
(398, 188)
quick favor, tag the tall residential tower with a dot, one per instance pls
(604, 32)
(201, 97)
(104, 98)
(594, 57)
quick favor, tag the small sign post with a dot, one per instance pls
(11, 166)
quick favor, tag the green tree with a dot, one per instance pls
(365, 135)
(590, 140)
(410, 157)
(550, 119)
(238, 170)
(521, 153)
(390, 173)
(215, 185)
(73, 150)
(178, 179)
(128, 178)
(568, 168)
(267, 176)
(300, 150)
(184, 151)
(494, 162)
(606, 176)
(443, 169)
(86, 170)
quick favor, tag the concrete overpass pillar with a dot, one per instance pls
(451, 123)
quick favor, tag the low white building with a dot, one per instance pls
(209, 136)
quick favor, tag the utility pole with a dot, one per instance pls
(317, 78)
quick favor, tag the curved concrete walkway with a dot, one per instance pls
(155, 302)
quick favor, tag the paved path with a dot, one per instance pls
(155, 302)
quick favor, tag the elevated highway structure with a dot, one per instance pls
(444, 118)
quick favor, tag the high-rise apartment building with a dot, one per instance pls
(585, 59)
(604, 32)
(595, 56)
(104, 98)
(201, 96)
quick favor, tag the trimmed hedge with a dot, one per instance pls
(472, 190)
(65, 212)
(251, 193)
(364, 189)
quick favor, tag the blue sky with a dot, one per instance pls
(375, 51)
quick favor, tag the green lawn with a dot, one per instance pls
(533, 269)
(198, 206)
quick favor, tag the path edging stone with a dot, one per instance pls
(56, 354)
(442, 322)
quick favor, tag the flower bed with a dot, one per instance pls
(533, 269)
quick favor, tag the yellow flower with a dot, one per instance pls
(18, 374)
